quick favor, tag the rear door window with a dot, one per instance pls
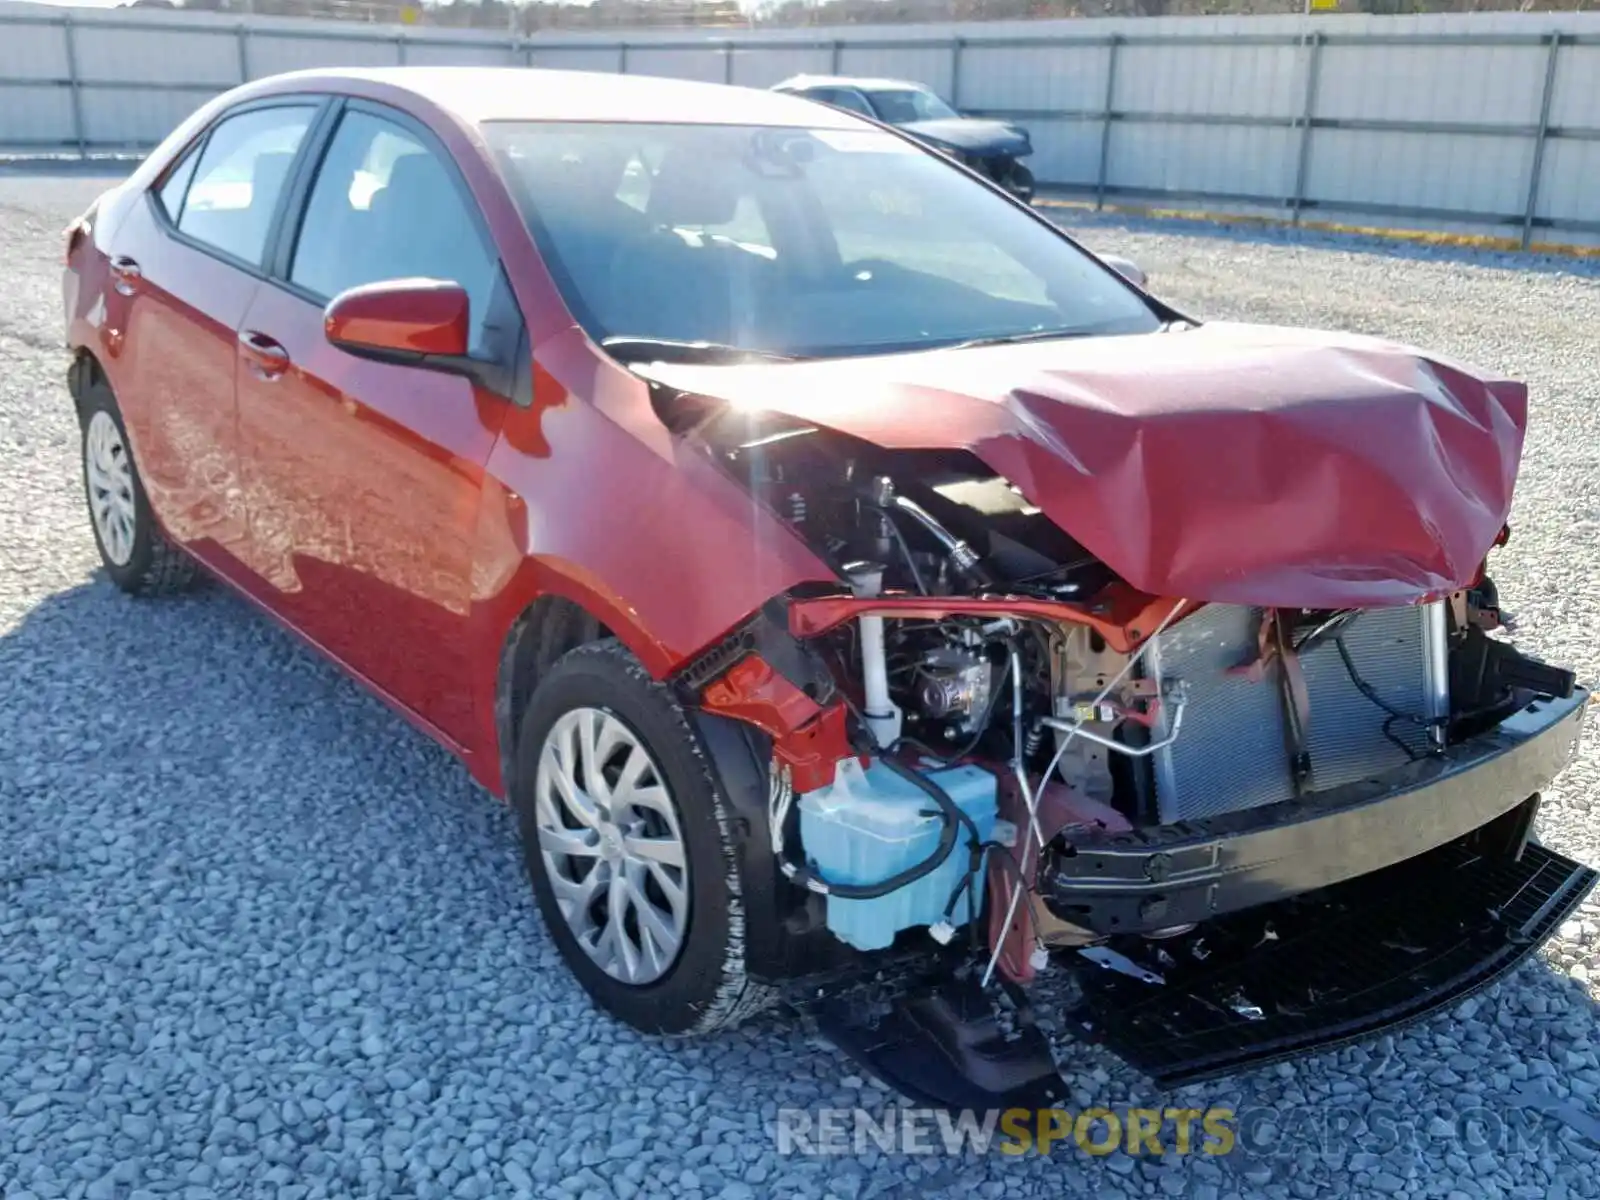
(231, 201)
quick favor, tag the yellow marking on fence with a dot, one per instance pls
(1428, 237)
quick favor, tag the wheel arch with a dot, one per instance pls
(84, 372)
(539, 635)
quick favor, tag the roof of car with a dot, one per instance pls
(856, 81)
(535, 94)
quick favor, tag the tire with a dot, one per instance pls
(1021, 183)
(704, 987)
(136, 554)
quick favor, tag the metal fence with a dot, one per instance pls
(1487, 125)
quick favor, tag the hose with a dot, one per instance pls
(1033, 796)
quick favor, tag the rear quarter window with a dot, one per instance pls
(233, 195)
(170, 194)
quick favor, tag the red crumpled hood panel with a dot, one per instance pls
(1231, 463)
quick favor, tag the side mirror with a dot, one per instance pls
(420, 322)
(1127, 268)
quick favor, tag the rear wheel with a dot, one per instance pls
(626, 839)
(136, 555)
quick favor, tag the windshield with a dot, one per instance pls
(793, 242)
(902, 106)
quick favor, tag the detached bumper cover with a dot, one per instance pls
(1369, 955)
(1194, 871)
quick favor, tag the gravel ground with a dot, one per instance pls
(257, 937)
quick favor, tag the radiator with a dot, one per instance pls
(1231, 753)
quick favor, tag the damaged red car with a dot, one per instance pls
(866, 597)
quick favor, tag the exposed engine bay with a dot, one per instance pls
(1015, 761)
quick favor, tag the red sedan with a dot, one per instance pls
(865, 595)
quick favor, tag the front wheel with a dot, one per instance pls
(1021, 183)
(136, 554)
(627, 841)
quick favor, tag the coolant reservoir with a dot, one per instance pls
(869, 825)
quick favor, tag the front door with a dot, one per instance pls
(362, 478)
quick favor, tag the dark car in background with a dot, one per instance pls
(992, 148)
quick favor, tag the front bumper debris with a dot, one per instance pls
(1152, 879)
(1310, 973)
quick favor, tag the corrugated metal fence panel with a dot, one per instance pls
(463, 53)
(929, 63)
(32, 52)
(1065, 78)
(764, 67)
(1209, 110)
(1243, 85)
(132, 119)
(1491, 86)
(1221, 80)
(1571, 188)
(41, 117)
(1576, 99)
(1229, 160)
(577, 58)
(271, 54)
(1469, 173)
(1041, 79)
(157, 55)
(707, 64)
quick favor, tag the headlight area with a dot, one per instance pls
(978, 768)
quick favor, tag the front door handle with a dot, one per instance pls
(266, 355)
(125, 275)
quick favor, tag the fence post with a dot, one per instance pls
(1105, 125)
(76, 84)
(955, 72)
(244, 52)
(622, 58)
(727, 62)
(837, 57)
(400, 49)
(1307, 112)
(1537, 167)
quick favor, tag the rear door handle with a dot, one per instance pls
(266, 355)
(125, 275)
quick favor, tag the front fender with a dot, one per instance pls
(587, 496)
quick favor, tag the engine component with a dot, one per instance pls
(1234, 753)
(954, 684)
(883, 716)
(870, 825)
(962, 557)
(1080, 664)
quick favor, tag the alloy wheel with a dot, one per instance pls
(108, 473)
(612, 845)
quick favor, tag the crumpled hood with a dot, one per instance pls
(972, 134)
(1228, 463)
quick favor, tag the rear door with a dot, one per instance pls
(185, 266)
(363, 477)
